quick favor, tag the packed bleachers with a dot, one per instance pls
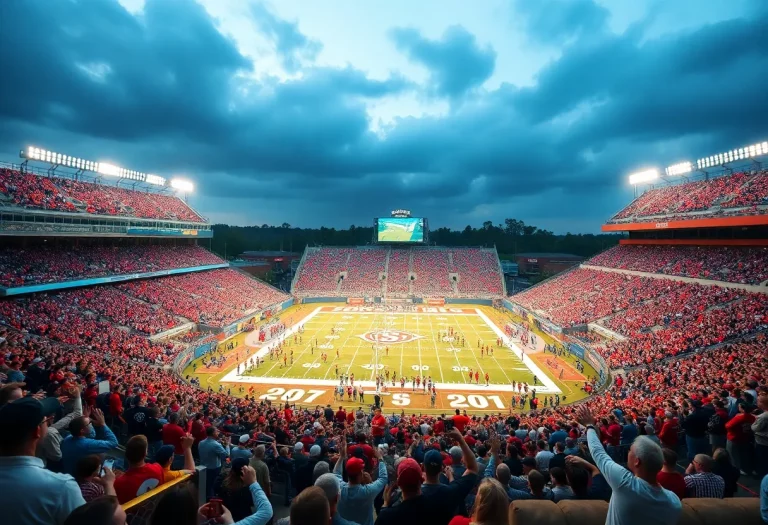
(363, 272)
(431, 268)
(583, 295)
(52, 193)
(320, 271)
(730, 264)
(705, 198)
(397, 275)
(479, 271)
(215, 297)
(42, 264)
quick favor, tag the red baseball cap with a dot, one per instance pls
(355, 466)
(408, 473)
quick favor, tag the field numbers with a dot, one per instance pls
(401, 400)
(474, 401)
(311, 365)
(326, 346)
(294, 395)
(459, 368)
(452, 349)
(418, 368)
(371, 367)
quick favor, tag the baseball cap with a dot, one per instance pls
(245, 438)
(433, 458)
(298, 447)
(529, 462)
(408, 473)
(355, 466)
(19, 418)
(164, 454)
(238, 464)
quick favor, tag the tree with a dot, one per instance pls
(487, 225)
(513, 227)
(529, 230)
(285, 225)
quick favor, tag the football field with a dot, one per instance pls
(324, 343)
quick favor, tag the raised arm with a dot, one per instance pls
(616, 475)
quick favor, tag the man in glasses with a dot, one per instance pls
(30, 494)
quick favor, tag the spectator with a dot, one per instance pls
(263, 508)
(311, 507)
(637, 496)
(491, 506)
(172, 435)
(332, 489)
(695, 426)
(415, 507)
(730, 474)
(558, 459)
(700, 481)
(164, 458)
(560, 488)
(760, 430)
(543, 456)
(457, 489)
(140, 477)
(764, 498)
(92, 481)
(30, 494)
(739, 434)
(356, 501)
(212, 453)
(262, 471)
(669, 477)
(233, 490)
(321, 467)
(49, 447)
(104, 510)
(80, 443)
(241, 450)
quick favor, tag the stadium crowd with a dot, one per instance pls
(214, 297)
(444, 469)
(478, 270)
(68, 195)
(731, 191)
(729, 264)
(42, 264)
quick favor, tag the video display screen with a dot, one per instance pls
(396, 229)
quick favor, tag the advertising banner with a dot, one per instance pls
(438, 301)
(357, 301)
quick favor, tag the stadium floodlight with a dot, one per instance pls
(154, 179)
(746, 152)
(644, 176)
(680, 168)
(108, 169)
(182, 185)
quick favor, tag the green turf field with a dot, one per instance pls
(424, 352)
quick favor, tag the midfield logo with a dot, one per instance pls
(389, 336)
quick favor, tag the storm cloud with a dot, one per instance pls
(169, 90)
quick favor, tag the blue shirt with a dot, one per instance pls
(764, 498)
(261, 503)
(633, 500)
(72, 449)
(557, 435)
(356, 501)
(31, 495)
(212, 453)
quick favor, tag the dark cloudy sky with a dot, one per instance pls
(328, 113)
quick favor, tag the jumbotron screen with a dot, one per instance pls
(400, 229)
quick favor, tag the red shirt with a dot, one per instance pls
(138, 480)
(377, 425)
(460, 422)
(341, 416)
(738, 429)
(439, 427)
(115, 404)
(460, 520)
(673, 482)
(172, 434)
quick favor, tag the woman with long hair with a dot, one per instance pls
(491, 506)
(233, 491)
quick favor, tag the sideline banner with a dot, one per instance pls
(436, 301)
(356, 301)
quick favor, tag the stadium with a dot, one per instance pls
(265, 263)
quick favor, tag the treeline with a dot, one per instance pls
(511, 237)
